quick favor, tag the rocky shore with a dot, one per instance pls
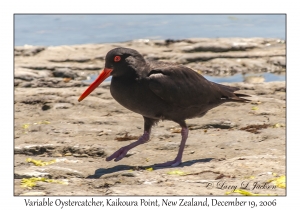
(232, 145)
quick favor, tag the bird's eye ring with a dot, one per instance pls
(117, 58)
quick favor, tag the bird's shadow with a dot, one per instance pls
(103, 171)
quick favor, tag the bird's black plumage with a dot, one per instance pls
(159, 90)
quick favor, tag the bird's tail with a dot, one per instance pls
(230, 95)
(236, 98)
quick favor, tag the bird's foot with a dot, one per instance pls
(173, 163)
(119, 154)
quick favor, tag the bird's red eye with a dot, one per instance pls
(117, 58)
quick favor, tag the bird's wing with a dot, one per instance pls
(183, 87)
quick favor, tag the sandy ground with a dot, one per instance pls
(233, 146)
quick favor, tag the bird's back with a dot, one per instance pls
(187, 92)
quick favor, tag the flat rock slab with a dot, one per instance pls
(231, 144)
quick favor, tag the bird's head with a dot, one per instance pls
(118, 62)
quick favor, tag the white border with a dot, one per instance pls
(154, 6)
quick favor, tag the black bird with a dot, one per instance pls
(160, 91)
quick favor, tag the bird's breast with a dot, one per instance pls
(136, 96)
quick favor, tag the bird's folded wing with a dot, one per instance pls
(181, 86)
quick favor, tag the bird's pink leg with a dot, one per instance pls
(177, 160)
(120, 154)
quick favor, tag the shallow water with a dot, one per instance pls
(268, 77)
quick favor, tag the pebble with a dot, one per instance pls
(57, 155)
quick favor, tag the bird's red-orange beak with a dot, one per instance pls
(103, 75)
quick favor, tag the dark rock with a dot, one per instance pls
(93, 151)
(17, 82)
(28, 50)
(64, 73)
(32, 101)
(216, 47)
(79, 60)
(35, 149)
(98, 122)
(255, 128)
(39, 67)
(206, 56)
(78, 122)
(278, 61)
(46, 107)
(281, 89)
(159, 42)
(222, 124)
(171, 41)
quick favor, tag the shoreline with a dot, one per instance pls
(69, 66)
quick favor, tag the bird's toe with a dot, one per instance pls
(118, 155)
